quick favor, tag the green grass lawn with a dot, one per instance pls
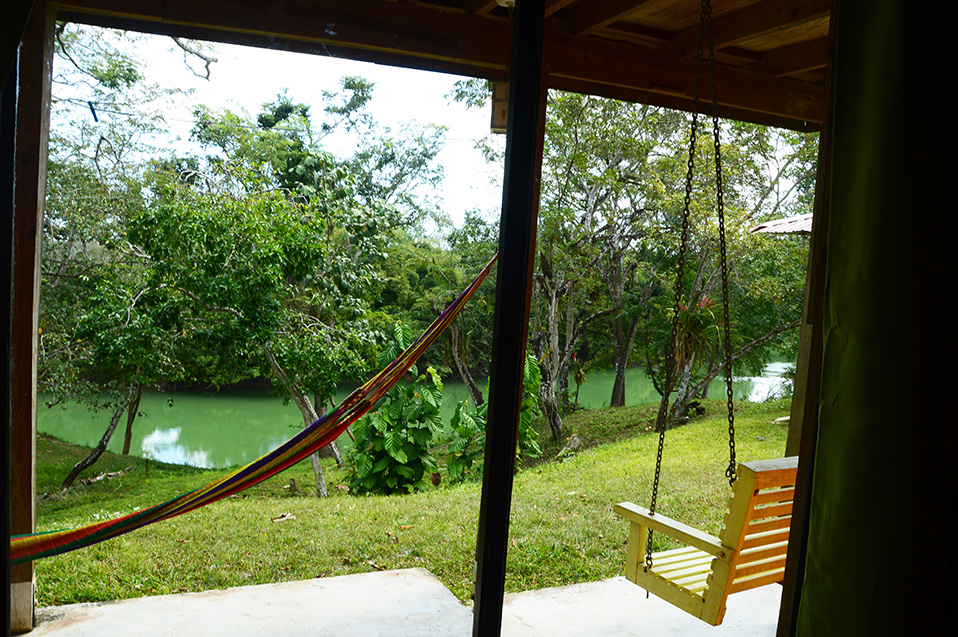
(563, 530)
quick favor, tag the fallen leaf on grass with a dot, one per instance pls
(283, 518)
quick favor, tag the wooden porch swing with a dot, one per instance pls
(751, 550)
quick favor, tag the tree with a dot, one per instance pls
(470, 336)
(248, 274)
(765, 277)
(328, 327)
(399, 170)
(316, 334)
(600, 171)
(102, 344)
(417, 283)
(608, 232)
(141, 233)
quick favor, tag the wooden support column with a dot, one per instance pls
(8, 125)
(803, 419)
(32, 130)
(517, 240)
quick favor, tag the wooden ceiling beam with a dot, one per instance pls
(792, 60)
(480, 7)
(418, 36)
(589, 17)
(598, 62)
(397, 30)
(554, 5)
(756, 20)
(667, 101)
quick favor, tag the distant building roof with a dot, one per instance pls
(802, 224)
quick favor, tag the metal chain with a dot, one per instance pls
(705, 34)
(670, 370)
(730, 471)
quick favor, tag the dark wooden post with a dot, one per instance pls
(32, 130)
(8, 125)
(803, 420)
(517, 239)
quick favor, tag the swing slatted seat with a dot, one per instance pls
(750, 552)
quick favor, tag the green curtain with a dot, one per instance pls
(882, 523)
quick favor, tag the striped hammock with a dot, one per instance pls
(25, 548)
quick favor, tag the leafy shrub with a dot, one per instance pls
(468, 435)
(529, 411)
(467, 442)
(391, 454)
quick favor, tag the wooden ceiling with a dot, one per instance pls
(770, 53)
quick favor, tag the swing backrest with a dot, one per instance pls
(758, 521)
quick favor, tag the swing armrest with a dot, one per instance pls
(673, 529)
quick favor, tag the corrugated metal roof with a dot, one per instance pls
(802, 224)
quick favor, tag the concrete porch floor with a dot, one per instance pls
(403, 603)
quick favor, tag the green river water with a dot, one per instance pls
(227, 428)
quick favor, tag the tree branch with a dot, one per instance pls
(97, 451)
(743, 351)
(189, 49)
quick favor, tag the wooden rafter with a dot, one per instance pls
(757, 20)
(598, 62)
(480, 7)
(800, 58)
(477, 44)
(589, 17)
(555, 5)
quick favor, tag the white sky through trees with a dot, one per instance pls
(245, 78)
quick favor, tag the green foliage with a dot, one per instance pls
(466, 442)
(473, 245)
(468, 430)
(100, 330)
(528, 445)
(392, 450)
(609, 230)
(474, 92)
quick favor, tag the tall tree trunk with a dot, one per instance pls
(309, 417)
(320, 479)
(550, 409)
(131, 413)
(564, 364)
(683, 393)
(553, 359)
(330, 450)
(97, 451)
(457, 345)
(547, 394)
(622, 342)
(563, 391)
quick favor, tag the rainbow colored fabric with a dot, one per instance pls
(25, 548)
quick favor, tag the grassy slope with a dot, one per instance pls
(563, 530)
